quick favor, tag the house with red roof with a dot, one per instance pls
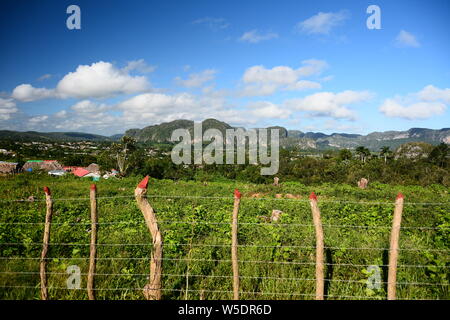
(80, 172)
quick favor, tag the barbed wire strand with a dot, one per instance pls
(361, 281)
(209, 291)
(220, 245)
(224, 223)
(230, 198)
(224, 260)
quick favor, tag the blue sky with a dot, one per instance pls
(310, 66)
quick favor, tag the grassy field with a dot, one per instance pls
(276, 259)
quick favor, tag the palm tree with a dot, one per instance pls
(363, 152)
(385, 152)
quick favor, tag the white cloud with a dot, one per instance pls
(323, 22)
(158, 107)
(267, 110)
(312, 67)
(419, 110)
(214, 24)
(259, 80)
(329, 104)
(304, 85)
(7, 108)
(428, 102)
(139, 66)
(86, 106)
(197, 79)
(45, 77)
(254, 36)
(26, 92)
(61, 114)
(38, 119)
(406, 39)
(151, 108)
(90, 116)
(99, 80)
(431, 93)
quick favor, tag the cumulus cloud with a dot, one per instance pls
(26, 93)
(268, 110)
(38, 119)
(139, 66)
(87, 106)
(91, 117)
(157, 107)
(152, 108)
(431, 93)
(323, 22)
(99, 80)
(197, 79)
(254, 36)
(7, 108)
(419, 110)
(61, 114)
(406, 39)
(329, 104)
(259, 80)
(428, 102)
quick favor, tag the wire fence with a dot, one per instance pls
(131, 221)
(253, 293)
(325, 200)
(222, 276)
(226, 245)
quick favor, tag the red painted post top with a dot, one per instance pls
(237, 194)
(47, 191)
(93, 186)
(144, 183)
(313, 196)
(400, 196)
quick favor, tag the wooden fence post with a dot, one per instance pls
(43, 263)
(234, 244)
(93, 246)
(152, 290)
(320, 283)
(393, 249)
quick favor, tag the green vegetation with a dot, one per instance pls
(411, 164)
(268, 253)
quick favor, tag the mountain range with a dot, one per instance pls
(161, 133)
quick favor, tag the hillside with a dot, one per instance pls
(305, 140)
(161, 133)
(51, 136)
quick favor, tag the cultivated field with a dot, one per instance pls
(276, 260)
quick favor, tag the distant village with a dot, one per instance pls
(54, 168)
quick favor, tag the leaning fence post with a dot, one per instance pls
(234, 244)
(320, 283)
(93, 246)
(393, 249)
(43, 263)
(152, 290)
